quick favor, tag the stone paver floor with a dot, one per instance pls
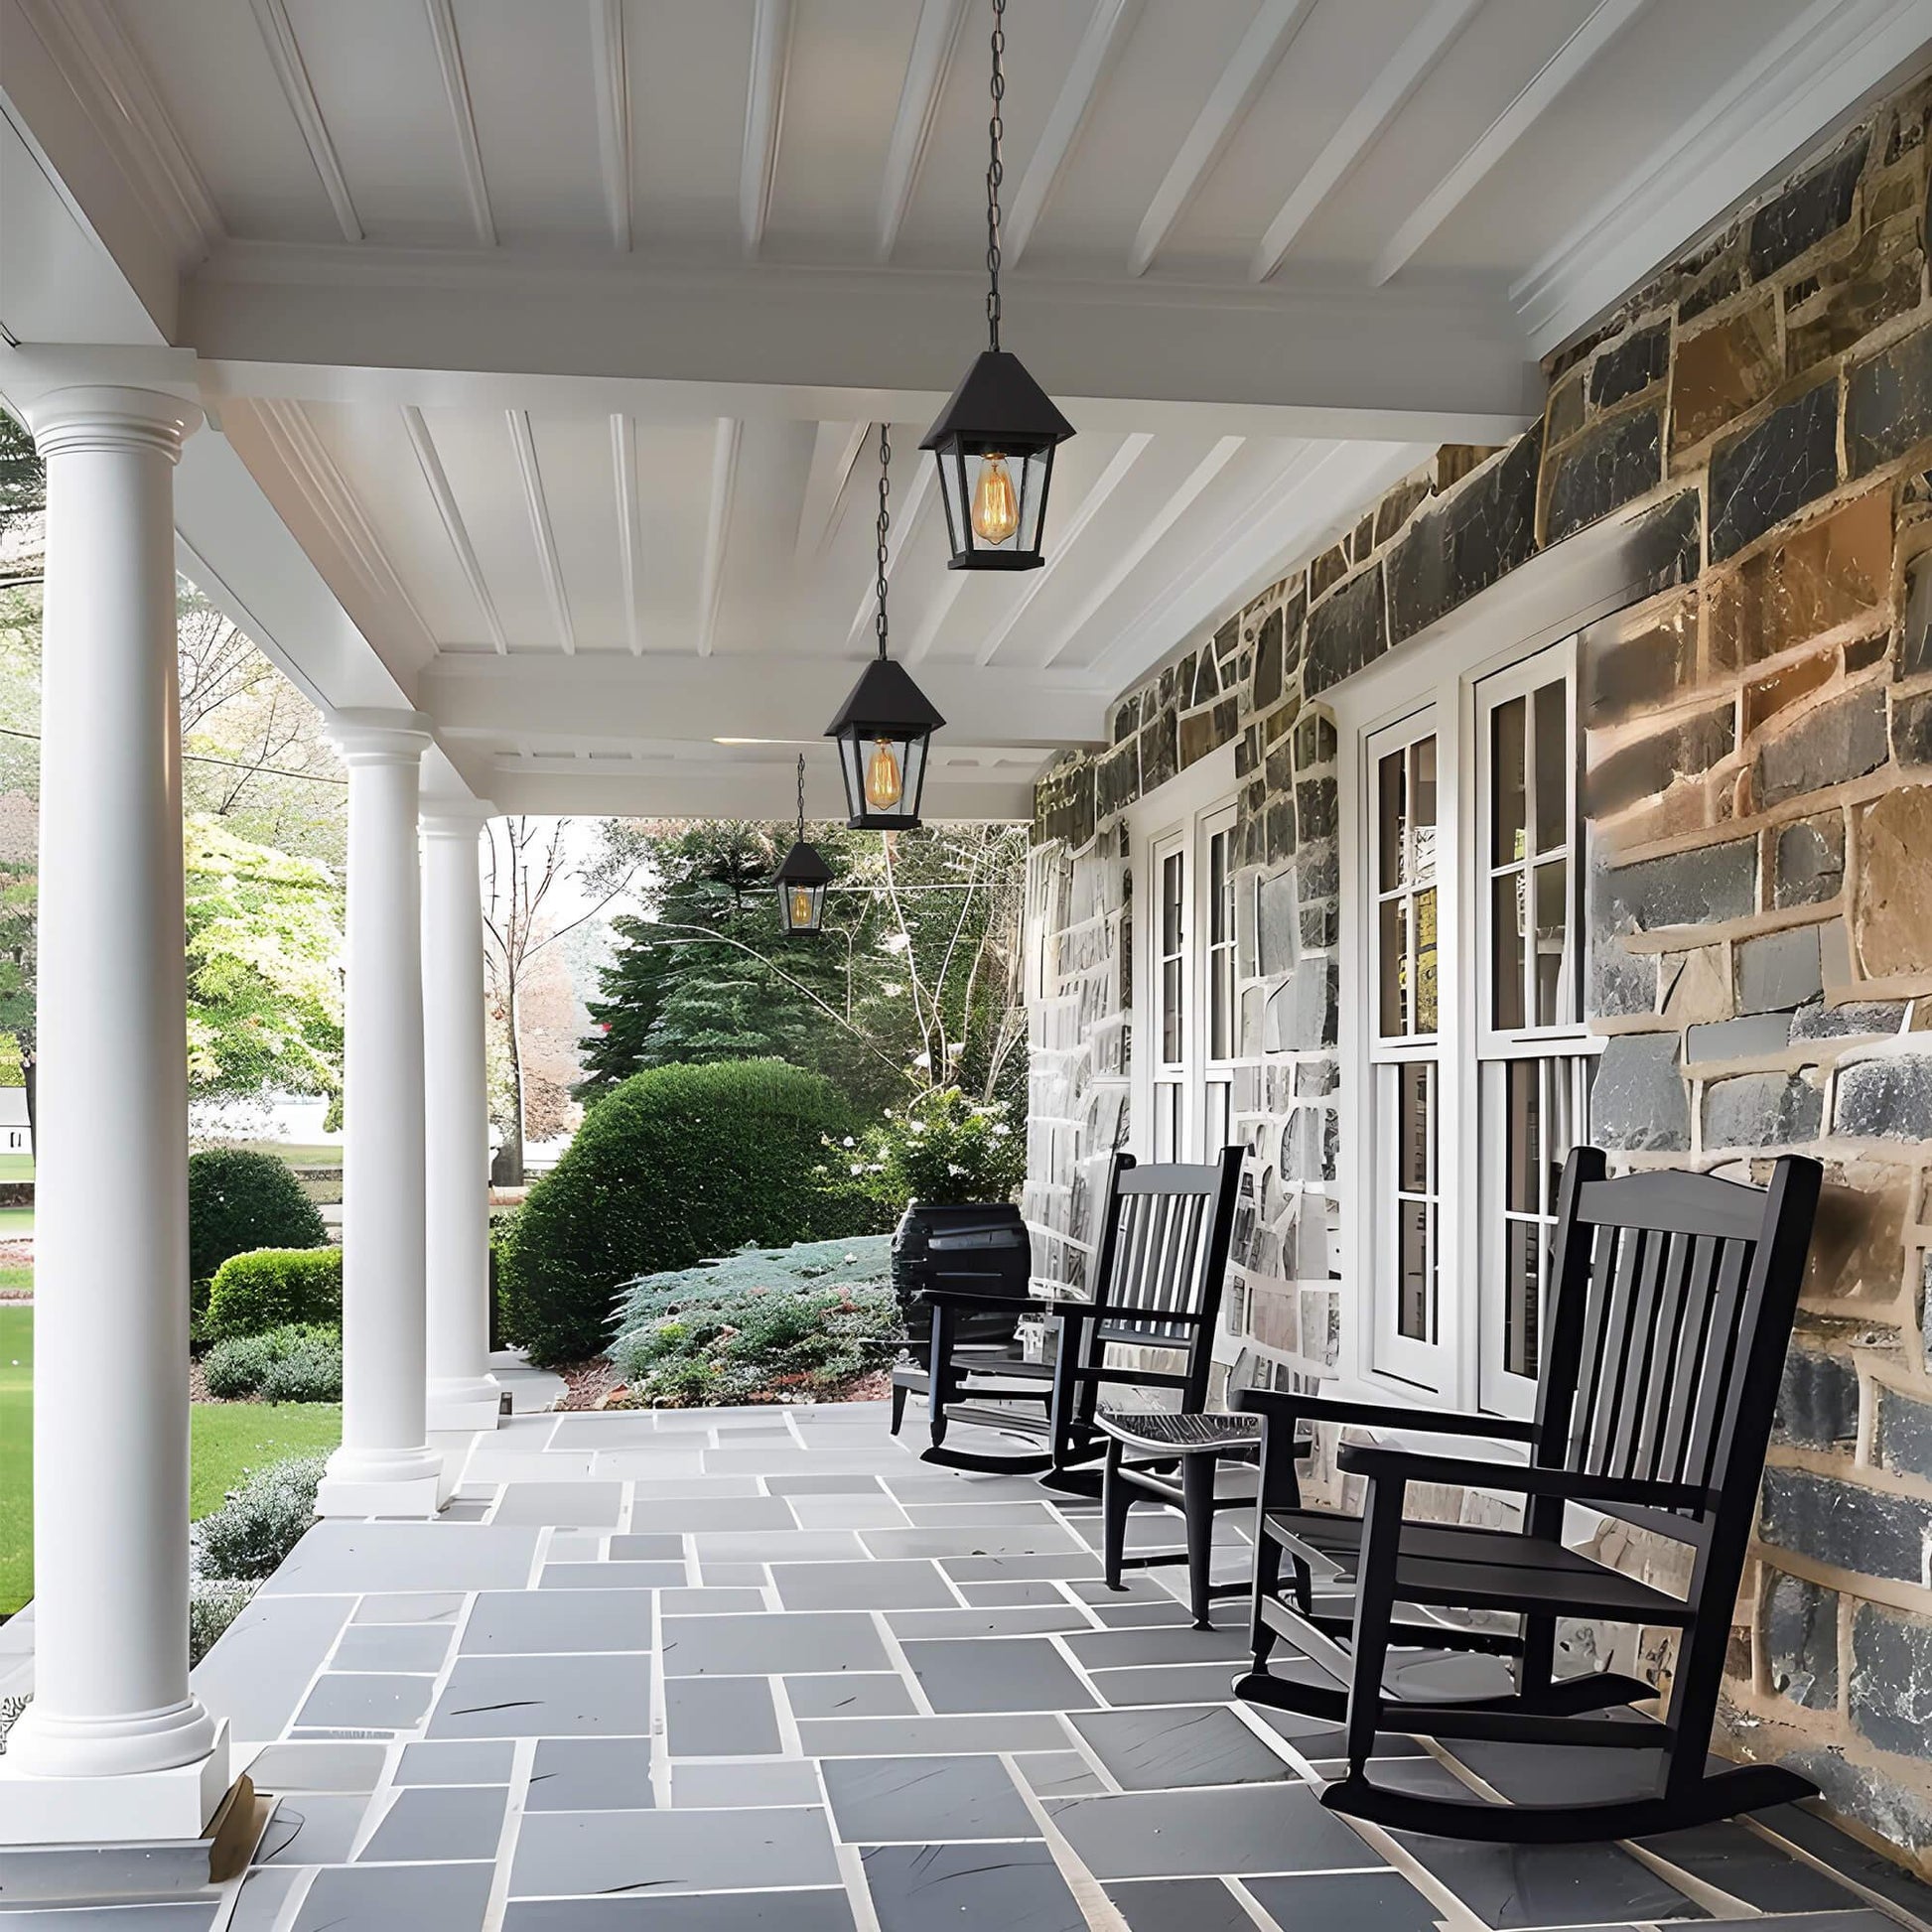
(717, 1671)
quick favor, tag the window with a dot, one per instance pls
(1171, 993)
(1217, 1077)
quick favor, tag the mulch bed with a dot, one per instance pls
(596, 1385)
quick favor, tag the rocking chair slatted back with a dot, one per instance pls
(1162, 1272)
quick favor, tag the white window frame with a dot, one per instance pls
(1545, 601)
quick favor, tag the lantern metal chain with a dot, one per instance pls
(996, 172)
(801, 798)
(885, 526)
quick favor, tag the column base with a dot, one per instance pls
(464, 1403)
(412, 1482)
(174, 1804)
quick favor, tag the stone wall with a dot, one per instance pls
(1760, 797)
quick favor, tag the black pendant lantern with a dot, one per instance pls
(803, 876)
(883, 729)
(995, 440)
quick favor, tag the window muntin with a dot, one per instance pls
(1406, 981)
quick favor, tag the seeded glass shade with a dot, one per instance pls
(802, 881)
(883, 730)
(994, 442)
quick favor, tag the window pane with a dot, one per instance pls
(1522, 1296)
(1552, 943)
(1170, 896)
(1425, 961)
(1391, 816)
(1170, 1012)
(1523, 1131)
(1422, 808)
(1507, 949)
(1413, 1291)
(1552, 766)
(1220, 1004)
(1507, 800)
(1416, 1130)
(1167, 1122)
(1393, 966)
(1220, 892)
(1218, 1118)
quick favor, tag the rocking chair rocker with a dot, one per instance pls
(1672, 1303)
(1158, 1274)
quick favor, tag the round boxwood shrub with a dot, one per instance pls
(677, 1164)
(272, 1287)
(239, 1199)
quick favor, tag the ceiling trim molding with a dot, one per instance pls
(416, 426)
(934, 41)
(1109, 27)
(1268, 37)
(611, 78)
(119, 97)
(462, 112)
(1607, 19)
(725, 442)
(764, 116)
(537, 504)
(285, 56)
(1771, 110)
(1395, 82)
(631, 527)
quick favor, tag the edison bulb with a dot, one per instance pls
(995, 509)
(885, 783)
(801, 905)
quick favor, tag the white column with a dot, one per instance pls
(462, 1392)
(385, 1467)
(114, 1745)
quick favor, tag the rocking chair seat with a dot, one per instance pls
(1153, 1431)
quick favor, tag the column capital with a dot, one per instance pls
(379, 734)
(455, 818)
(107, 416)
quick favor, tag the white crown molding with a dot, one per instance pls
(933, 40)
(611, 78)
(764, 116)
(463, 114)
(1802, 81)
(449, 515)
(725, 442)
(537, 505)
(285, 56)
(118, 95)
(631, 526)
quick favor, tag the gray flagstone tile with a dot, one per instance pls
(986, 1623)
(582, 1505)
(358, 1557)
(664, 1466)
(778, 1546)
(923, 1484)
(256, 1674)
(697, 1602)
(605, 1429)
(684, 1489)
(739, 1911)
(992, 1540)
(177, 1916)
(560, 1853)
(862, 1585)
(366, 1701)
(680, 1517)
(660, 1546)
(868, 1511)
(450, 1763)
(1200, 1905)
(849, 1693)
(1508, 1885)
(975, 1515)
(1137, 1586)
(311, 1829)
(781, 1644)
(1004, 1674)
(989, 1570)
(432, 1823)
(465, 1509)
(1113, 1650)
(411, 1607)
(1059, 1774)
(264, 1892)
(544, 1697)
(490, 1464)
(1735, 1859)
(1164, 1746)
(787, 1459)
(770, 1781)
(384, 1897)
(1022, 1731)
(612, 1576)
(970, 1888)
(1847, 1855)
(1167, 1684)
(1139, 1616)
(1207, 1834)
(586, 1546)
(392, 1647)
(1347, 1901)
(730, 1576)
(721, 1716)
(591, 1774)
(837, 1482)
(559, 1620)
(895, 1800)
(318, 1767)
(1017, 1593)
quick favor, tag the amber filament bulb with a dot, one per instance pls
(885, 783)
(996, 509)
(801, 905)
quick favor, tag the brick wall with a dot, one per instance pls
(1760, 791)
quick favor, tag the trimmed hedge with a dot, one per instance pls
(239, 1199)
(293, 1364)
(275, 1288)
(676, 1165)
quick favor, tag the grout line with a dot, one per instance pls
(523, 1757)
(922, 1705)
(1099, 1911)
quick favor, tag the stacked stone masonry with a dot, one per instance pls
(1758, 793)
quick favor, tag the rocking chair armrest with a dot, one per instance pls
(1289, 1407)
(971, 1300)
(1569, 1485)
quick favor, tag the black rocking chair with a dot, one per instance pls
(1672, 1303)
(1158, 1274)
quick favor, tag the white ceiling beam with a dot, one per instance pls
(285, 56)
(497, 328)
(1606, 19)
(946, 592)
(1134, 554)
(1362, 127)
(416, 427)
(537, 505)
(835, 455)
(631, 526)
(664, 698)
(907, 507)
(463, 114)
(610, 84)
(1268, 37)
(764, 114)
(933, 40)
(1118, 466)
(725, 442)
(1108, 28)
(1821, 67)
(1292, 515)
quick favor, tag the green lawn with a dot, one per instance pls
(295, 1155)
(16, 1223)
(229, 1439)
(16, 1166)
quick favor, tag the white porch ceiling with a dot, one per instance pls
(553, 333)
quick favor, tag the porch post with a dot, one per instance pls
(385, 1467)
(114, 1744)
(462, 1392)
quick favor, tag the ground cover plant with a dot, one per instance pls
(297, 1362)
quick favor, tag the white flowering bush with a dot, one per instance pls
(263, 1518)
(944, 1149)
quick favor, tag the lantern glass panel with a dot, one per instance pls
(801, 905)
(884, 773)
(1008, 490)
